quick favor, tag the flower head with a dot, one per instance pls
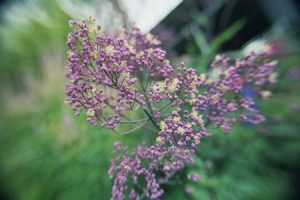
(112, 76)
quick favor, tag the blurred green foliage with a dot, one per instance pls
(47, 153)
(29, 30)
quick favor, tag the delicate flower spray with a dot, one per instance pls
(112, 77)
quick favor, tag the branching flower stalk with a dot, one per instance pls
(113, 77)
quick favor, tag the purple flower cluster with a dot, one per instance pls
(144, 164)
(102, 71)
(113, 75)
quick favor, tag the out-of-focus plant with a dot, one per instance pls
(39, 157)
(29, 30)
(114, 75)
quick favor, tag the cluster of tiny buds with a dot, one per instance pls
(145, 163)
(114, 76)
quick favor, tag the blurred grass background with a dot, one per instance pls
(47, 153)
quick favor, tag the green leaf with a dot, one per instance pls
(226, 35)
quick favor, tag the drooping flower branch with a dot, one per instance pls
(114, 76)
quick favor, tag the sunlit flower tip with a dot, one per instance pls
(180, 130)
(226, 73)
(70, 53)
(152, 39)
(114, 65)
(265, 94)
(123, 63)
(94, 55)
(91, 19)
(150, 51)
(274, 62)
(139, 55)
(176, 119)
(200, 119)
(193, 96)
(82, 23)
(173, 85)
(109, 50)
(163, 125)
(215, 97)
(186, 151)
(218, 58)
(125, 75)
(223, 88)
(73, 23)
(194, 114)
(149, 36)
(197, 139)
(273, 77)
(159, 139)
(166, 62)
(126, 167)
(92, 28)
(194, 85)
(215, 75)
(94, 89)
(157, 88)
(90, 112)
(162, 84)
(194, 77)
(192, 101)
(202, 77)
(166, 168)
